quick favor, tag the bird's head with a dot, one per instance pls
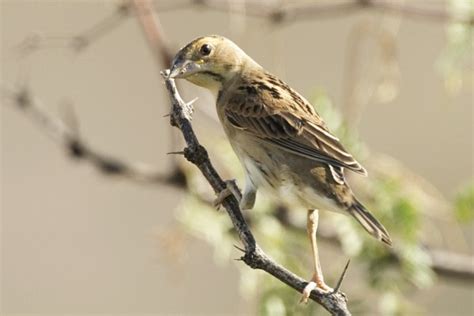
(208, 61)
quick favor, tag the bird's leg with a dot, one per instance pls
(317, 281)
(250, 192)
(230, 189)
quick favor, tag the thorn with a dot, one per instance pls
(167, 115)
(176, 153)
(241, 249)
(339, 282)
(192, 101)
(239, 259)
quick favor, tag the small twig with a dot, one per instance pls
(254, 256)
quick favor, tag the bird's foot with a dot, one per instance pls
(312, 285)
(230, 189)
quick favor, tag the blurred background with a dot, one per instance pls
(393, 79)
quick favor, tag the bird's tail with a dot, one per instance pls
(369, 222)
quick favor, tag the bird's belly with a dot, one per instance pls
(282, 182)
(312, 199)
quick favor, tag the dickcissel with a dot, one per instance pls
(279, 138)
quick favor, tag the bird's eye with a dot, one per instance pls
(205, 49)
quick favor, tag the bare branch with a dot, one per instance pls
(68, 137)
(294, 13)
(254, 256)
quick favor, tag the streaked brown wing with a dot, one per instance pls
(303, 133)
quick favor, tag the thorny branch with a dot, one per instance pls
(254, 257)
(462, 267)
(67, 135)
(75, 146)
(443, 262)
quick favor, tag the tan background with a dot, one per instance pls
(75, 242)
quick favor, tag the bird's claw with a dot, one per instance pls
(312, 285)
(307, 291)
(230, 189)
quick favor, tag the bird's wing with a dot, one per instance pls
(289, 122)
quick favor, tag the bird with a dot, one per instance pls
(281, 141)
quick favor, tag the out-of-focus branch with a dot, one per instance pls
(153, 30)
(444, 262)
(67, 136)
(453, 265)
(317, 9)
(102, 27)
(79, 41)
(254, 256)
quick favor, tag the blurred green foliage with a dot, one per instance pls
(464, 204)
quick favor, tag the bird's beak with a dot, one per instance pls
(183, 69)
